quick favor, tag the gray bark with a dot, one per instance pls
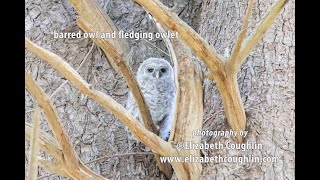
(266, 83)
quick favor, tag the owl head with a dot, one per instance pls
(155, 69)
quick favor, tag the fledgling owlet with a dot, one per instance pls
(156, 80)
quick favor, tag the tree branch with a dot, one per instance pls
(53, 167)
(234, 62)
(83, 61)
(53, 120)
(232, 103)
(189, 108)
(46, 143)
(34, 145)
(176, 77)
(251, 42)
(139, 131)
(91, 12)
(49, 145)
(66, 81)
(69, 160)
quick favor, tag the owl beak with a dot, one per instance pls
(158, 75)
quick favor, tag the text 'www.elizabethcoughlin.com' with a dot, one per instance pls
(247, 148)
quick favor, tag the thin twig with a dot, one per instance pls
(156, 47)
(30, 110)
(66, 81)
(82, 62)
(46, 142)
(34, 145)
(174, 61)
(118, 155)
(165, 167)
(234, 62)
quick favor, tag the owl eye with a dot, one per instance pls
(150, 70)
(163, 70)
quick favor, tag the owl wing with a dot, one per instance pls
(132, 107)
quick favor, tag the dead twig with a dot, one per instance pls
(34, 145)
(79, 67)
(234, 63)
(66, 81)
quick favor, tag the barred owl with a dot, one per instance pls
(156, 80)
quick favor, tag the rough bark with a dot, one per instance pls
(266, 84)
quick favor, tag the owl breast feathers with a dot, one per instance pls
(156, 80)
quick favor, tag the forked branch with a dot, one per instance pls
(91, 12)
(222, 71)
(234, 63)
(69, 160)
(53, 120)
(252, 41)
(49, 145)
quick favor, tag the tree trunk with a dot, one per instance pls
(266, 84)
